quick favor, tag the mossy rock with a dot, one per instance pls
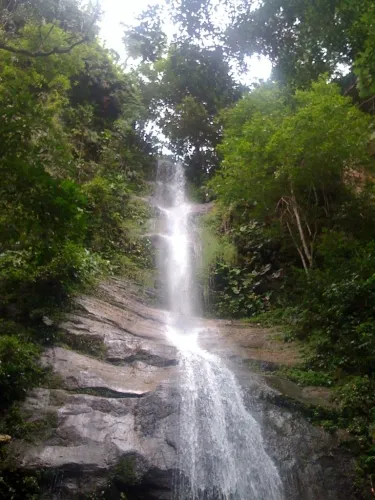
(86, 344)
(128, 472)
(310, 396)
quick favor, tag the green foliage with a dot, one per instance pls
(333, 314)
(295, 209)
(126, 471)
(356, 401)
(229, 290)
(270, 142)
(146, 40)
(73, 155)
(194, 18)
(30, 27)
(308, 377)
(335, 307)
(240, 269)
(364, 66)
(286, 156)
(302, 39)
(196, 85)
(27, 427)
(185, 90)
(122, 483)
(19, 369)
(15, 485)
(69, 158)
(235, 292)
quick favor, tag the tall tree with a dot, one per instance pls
(194, 18)
(196, 83)
(291, 159)
(186, 90)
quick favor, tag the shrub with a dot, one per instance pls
(336, 307)
(235, 291)
(19, 368)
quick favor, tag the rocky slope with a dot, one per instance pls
(112, 418)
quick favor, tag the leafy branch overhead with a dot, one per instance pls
(147, 39)
(36, 37)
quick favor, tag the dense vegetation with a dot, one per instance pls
(289, 163)
(73, 154)
(296, 191)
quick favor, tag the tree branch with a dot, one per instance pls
(305, 267)
(55, 50)
(300, 228)
(47, 35)
(40, 53)
(365, 102)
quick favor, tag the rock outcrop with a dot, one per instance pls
(111, 417)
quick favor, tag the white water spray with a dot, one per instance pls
(221, 450)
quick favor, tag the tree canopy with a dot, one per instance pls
(27, 27)
(302, 39)
(289, 156)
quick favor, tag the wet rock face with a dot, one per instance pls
(311, 462)
(113, 416)
(94, 434)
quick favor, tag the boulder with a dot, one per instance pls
(94, 434)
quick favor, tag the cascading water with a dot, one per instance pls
(221, 450)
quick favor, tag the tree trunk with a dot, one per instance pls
(304, 263)
(305, 246)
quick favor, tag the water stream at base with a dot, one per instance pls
(221, 450)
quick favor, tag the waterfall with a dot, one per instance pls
(221, 451)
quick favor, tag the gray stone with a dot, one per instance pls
(125, 406)
(83, 372)
(94, 433)
(311, 461)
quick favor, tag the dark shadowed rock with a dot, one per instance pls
(312, 463)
